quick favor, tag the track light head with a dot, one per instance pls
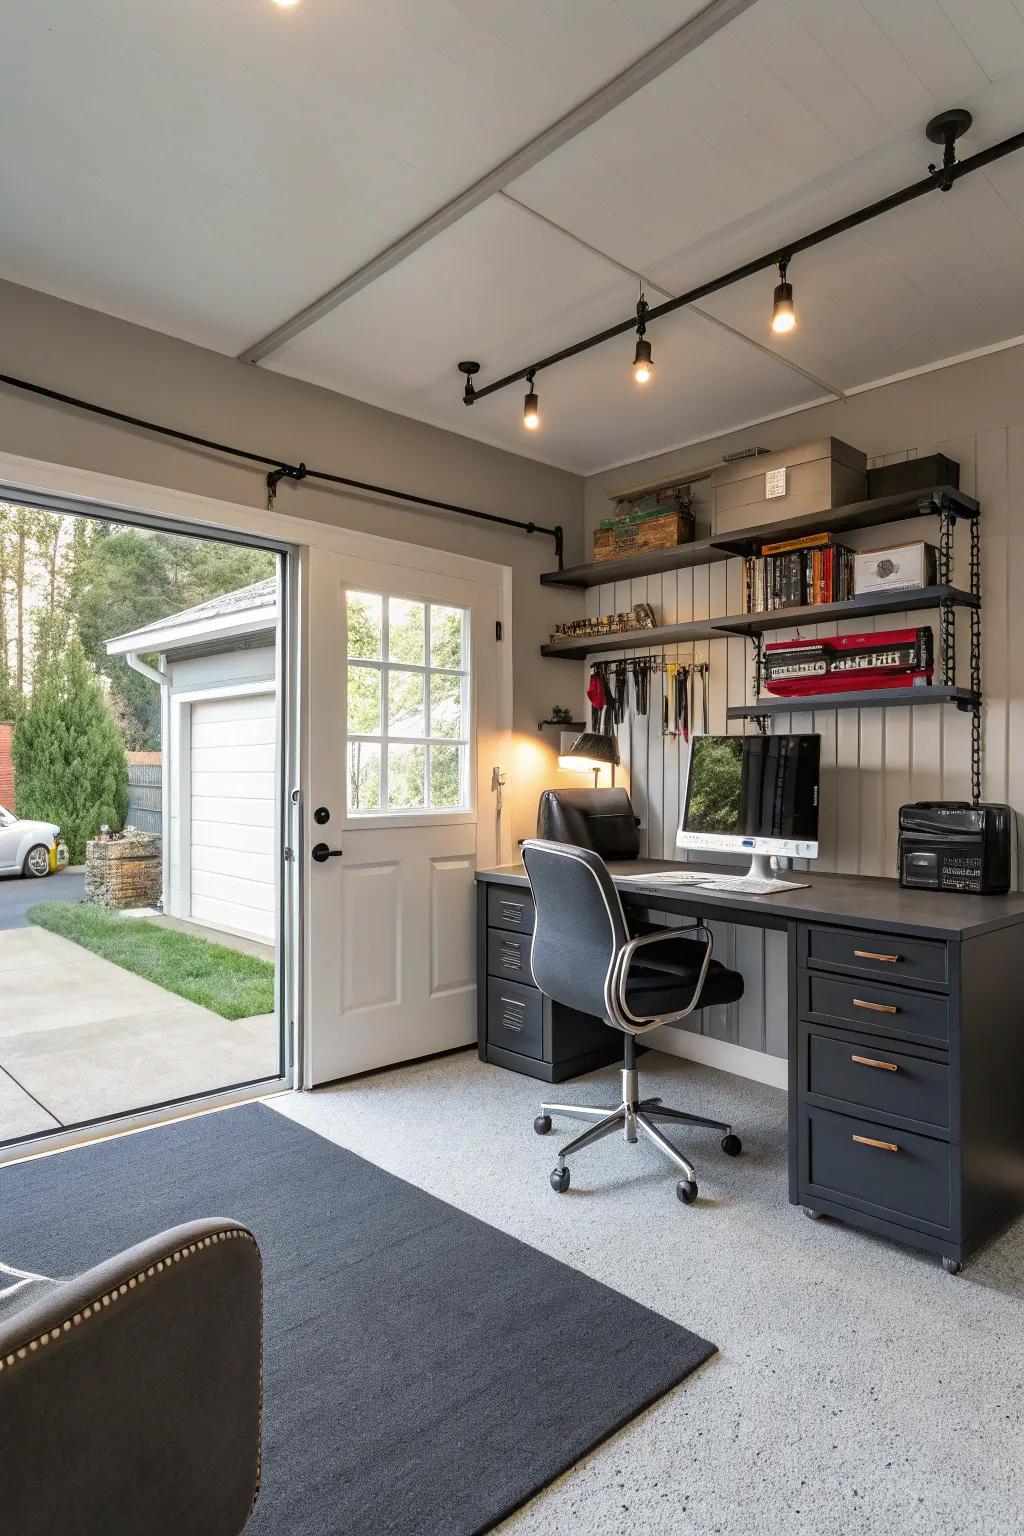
(642, 361)
(643, 365)
(531, 409)
(783, 313)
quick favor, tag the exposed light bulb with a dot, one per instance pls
(783, 313)
(531, 410)
(643, 365)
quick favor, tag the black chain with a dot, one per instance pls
(976, 738)
(947, 616)
(761, 721)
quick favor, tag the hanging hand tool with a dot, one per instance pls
(597, 693)
(683, 702)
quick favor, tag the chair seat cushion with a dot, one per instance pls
(663, 977)
(19, 1289)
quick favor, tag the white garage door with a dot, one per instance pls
(233, 805)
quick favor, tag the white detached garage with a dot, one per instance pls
(216, 669)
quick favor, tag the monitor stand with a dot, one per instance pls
(761, 868)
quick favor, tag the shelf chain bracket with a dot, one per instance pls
(977, 763)
(947, 615)
(757, 641)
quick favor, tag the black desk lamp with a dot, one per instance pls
(590, 750)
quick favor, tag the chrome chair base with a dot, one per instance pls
(634, 1117)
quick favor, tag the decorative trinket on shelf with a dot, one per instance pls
(560, 715)
(641, 616)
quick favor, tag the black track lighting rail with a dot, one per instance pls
(943, 129)
(280, 469)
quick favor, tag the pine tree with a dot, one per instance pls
(69, 759)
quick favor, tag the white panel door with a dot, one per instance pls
(233, 805)
(404, 680)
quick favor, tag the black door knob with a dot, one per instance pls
(321, 853)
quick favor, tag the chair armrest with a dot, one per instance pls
(131, 1395)
(638, 1023)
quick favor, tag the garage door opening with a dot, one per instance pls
(142, 680)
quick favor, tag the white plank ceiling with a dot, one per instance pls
(209, 167)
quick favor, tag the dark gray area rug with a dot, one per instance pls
(425, 1373)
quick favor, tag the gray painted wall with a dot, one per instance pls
(873, 760)
(82, 352)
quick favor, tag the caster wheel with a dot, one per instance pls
(951, 1266)
(731, 1145)
(812, 1215)
(542, 1124)
(686, 1190)
(560, 1180)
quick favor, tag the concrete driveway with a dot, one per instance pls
(18, 894)
(81, 1039)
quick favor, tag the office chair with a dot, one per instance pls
(131, 1396)
(599, 819)
(584, 956)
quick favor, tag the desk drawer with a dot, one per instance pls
(515, 1017)
(874, 1078)
(843, 1158)
(508, 954)
(875, 954)
(510, 906)
(889, 1011)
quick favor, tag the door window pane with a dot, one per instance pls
(364, 776)
(406, 630)
(445, 704)
(447, 630)
(446, 777)
(364, 701)
(405, 777)
(407, 677)
(405, 704)
(364, 625)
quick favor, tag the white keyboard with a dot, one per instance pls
(750, 885)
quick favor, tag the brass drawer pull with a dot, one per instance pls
(869, 1141)
(859, 1002)
(869, 954)
(869, 1061)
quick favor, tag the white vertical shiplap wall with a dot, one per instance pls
(873, 760)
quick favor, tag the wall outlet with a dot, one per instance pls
(774, 483)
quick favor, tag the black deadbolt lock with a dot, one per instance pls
(321, 815)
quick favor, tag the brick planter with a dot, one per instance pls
(124, 871)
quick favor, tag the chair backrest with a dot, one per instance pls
(579, 927)
(599, 819)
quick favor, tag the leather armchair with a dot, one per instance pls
(131, 1395)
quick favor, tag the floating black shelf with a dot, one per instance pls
(746, 624)
(563, 725)
(748, 541)
(871, 698)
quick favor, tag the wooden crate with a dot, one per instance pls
(629, 537)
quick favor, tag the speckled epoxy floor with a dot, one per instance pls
(858, 1388)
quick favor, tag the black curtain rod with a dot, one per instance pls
(939, 180)
(279, 468)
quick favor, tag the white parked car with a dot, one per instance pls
(30, 848)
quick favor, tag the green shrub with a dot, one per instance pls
(69, 759)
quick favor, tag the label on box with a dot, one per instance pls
(774, 483)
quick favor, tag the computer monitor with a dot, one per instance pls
(756, 794)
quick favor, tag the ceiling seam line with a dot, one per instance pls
(671, 50)
(750, 341)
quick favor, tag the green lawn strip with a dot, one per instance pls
(234, 985)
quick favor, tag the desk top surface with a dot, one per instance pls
(850, 901)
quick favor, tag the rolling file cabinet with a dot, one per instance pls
(518, 1026)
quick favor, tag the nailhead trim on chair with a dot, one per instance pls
(96, 1306)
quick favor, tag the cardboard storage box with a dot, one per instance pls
(900, 568)
(820, 475)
